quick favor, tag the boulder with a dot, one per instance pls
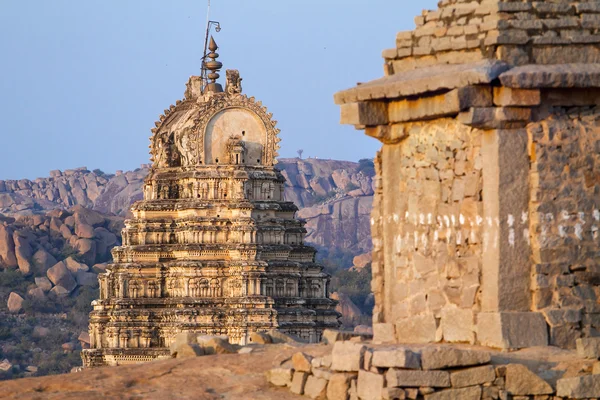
(298, 382)
(185, 350)
(439, 357)
(216, 345)
(100, 268)
(40, 331)
(66, 232)
(43, 283)
(75, 266)
(315, 388)
(8, 258)
(85, 215)
(68, 347)
(5, 365)
(60, 291)
(280, 376)
(347, 356)
(331, 336)
(36, 293)
(520, 381)
(23, 252)
(15, 303)
(588, 347)
(87, 249)
(105, 240)
(84, 230)
(362, 260)
(582, 387)
(260, 338)
(43, 260)
(280, 337)
(302, 362)
(60, 276)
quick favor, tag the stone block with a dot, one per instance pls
(370, 385)
(216, 345)
(384, 333)
(185, 350)
(298, 382)
(512, 330)
(468, 393)
(302, 362)
(15, 302)
(450, 103)
(393, 394)
(315, 388)
(440, 357)
(458, 325)
(417, 329)
(322, 373)
(473, 376)
(495, 117)
(347, 356)
(367, 113)
(582, 387)
(330, 336)
(260, 338)
(552, 76)
(397, 357)
(505, 97)
(339, 385)
(414, 378)
(588, 347)
(520, 381)
(280, 376)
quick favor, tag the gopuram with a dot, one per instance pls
(213, 248)
(487, 213)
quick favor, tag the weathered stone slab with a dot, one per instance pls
(396, 357)
(280, 376)
(331, 336)
(495, 117)
(315, 388)
(339, 385)
(552, 76)
(458, 325)
(520, 381)
(298, 382)
(384, 333)
(369, 385)
(468, 393)
(347, 356)
(448, 357)
(506, 97)
(572, 97)
(365, 113)
(302, 362)
(423, 80)
(473, 376)
(582, 387)
(414, 378)
(512, 330)
(417, 329)
(588, 347)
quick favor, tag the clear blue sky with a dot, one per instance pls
(82, 82)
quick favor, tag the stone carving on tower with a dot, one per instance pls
(213, 247)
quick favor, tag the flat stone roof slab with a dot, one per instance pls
(423, 80)
(552, 76)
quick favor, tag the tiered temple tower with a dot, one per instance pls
(213, 247)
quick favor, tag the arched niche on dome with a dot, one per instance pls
(235, 122)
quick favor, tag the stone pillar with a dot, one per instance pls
(506, 320)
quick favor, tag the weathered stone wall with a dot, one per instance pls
(565, 160)
(519, 32)
(428, 232)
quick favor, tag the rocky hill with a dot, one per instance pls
(335, 197)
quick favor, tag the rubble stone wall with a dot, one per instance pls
(564, 151)
(519, 32)
(429, 231)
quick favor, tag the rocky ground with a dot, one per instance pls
(223, 376)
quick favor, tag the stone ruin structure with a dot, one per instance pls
(213, 248)
(486, 218)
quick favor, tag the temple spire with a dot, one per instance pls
(213, 66)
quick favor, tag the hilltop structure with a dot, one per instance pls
(213, 248)
(486, 217)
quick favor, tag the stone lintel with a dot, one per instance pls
(506, 250)
(496, 117)
(388, 134)
(446, 104)
(512, 330)
(574, 97)
(367, 113)
(424, 80)
(507, 97)
(552, 76)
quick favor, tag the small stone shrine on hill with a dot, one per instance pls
(213, 248)
(486, 218)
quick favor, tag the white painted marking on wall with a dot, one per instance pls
(416, 236)
(549, 217)
(461, 219)
(398, 244)
(406, 215)
(595, 232)
(581, 216)
(524, 217)
(562, 232)
(511, 237)
(422, 219)
(425, 241)
(579, 231)
(436, 235)
(447, 221)
(564, 215)
(458, 237)
(597, 215)
(526, 236)
(489, 221)
(453, 218)
(396, 218)
(510, 220)
(429, 218)
(448, 235)
(478, 220)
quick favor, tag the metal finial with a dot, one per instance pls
(213, 65)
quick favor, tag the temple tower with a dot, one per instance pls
(213, 248)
